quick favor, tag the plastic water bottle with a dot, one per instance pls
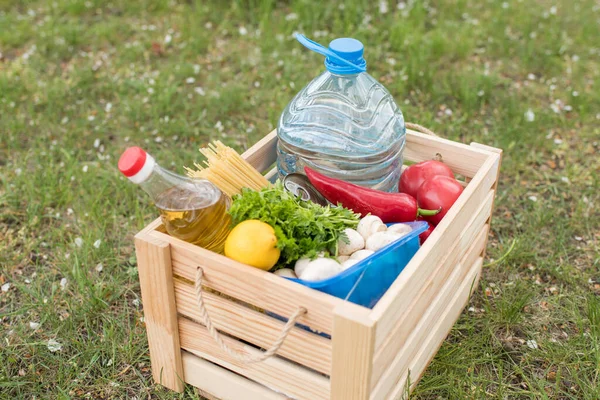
(344, 123)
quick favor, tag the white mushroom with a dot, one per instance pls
(286, 273)
(348, 263)
(400, 228)
(370, 225)
(341, 259)
(359, 255)
(301, 265)
(355, 242)
(321, 268)
(381, 239)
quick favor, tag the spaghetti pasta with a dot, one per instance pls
(227, 170)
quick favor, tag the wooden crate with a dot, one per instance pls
(377, 353)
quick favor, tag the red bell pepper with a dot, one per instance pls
(415, 175)
(423, 236)
(390, 207)
(438, 192)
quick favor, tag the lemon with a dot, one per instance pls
(253, 242)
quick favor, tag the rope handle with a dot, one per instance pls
(218, 338)
(419, 128)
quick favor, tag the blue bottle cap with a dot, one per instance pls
(344, 55)
(348, 48)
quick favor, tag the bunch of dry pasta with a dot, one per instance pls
(227, 170)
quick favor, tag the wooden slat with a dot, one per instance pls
(436, 335)
(495, 187)
(416, 302)
(353, 341)
(271, 174)
(274, 373)
(462, 159)
(263, 154)
(154, 225)
(160, 314)
(397, 338)
(306, 348)
(393, 304)
(222, 383)
(487, 148)
(253, 286)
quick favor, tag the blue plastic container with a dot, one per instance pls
(366, 281)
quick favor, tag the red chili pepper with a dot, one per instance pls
(415, 175)
(423, 236)
(438, 192)
(390, 207)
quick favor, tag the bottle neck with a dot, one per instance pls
(344, 76)
(140, 168)
(163, 185)
(160, 183)
(154, 179)
(157, 181)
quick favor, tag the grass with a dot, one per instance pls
(81, 80)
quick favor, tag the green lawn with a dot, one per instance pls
(81, 80)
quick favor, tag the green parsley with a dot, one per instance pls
(303, 228)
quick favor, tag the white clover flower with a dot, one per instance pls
(54, 346)
(529, 115)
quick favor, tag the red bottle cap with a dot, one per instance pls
(132, 161)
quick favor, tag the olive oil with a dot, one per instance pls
(193, 210)
(194, 217)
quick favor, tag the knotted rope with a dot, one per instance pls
(419, 128)
(218, 338)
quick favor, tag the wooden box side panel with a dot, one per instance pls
(436, 335)
(275, 373)
(160, 313)
(495, 187)
(253, 286)
(353, 344)
(301, 346)
(418, 301)
(408, 342)
(464, 160)
(393, 305)
(264, 152)
(406, 348)
(221, 383)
